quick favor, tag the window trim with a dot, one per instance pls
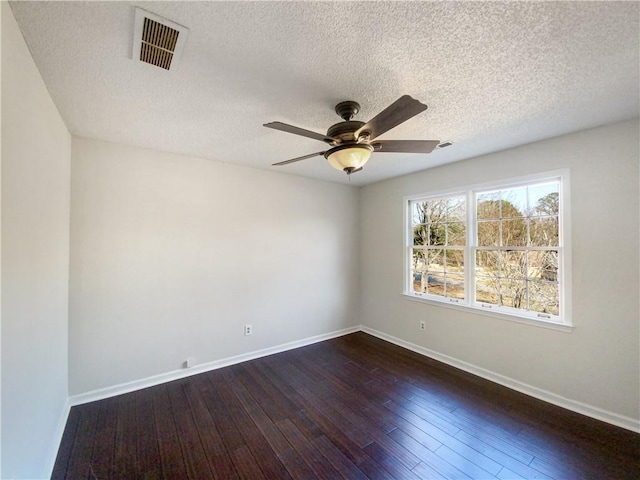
(561, 322)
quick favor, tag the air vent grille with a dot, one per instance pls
(157, 41)
(158, 44)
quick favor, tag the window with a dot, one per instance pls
(496, 247)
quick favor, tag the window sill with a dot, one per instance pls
(488, 313)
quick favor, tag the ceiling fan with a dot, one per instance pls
(352, 142)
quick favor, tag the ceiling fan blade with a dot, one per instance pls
(405, 146)
(398, 112)
(298, 131)
(297, 159)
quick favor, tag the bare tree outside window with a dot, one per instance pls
(439, 236)
(516, 259)
(503, 244)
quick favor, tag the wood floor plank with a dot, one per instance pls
(66, 444)
(193, 453)
(434, 461)
(169, 446)
(499, 456)
(270, 398)
(247, 467)
(344, 411)
(306, 426)
(374, 471)
(102, 458)
(229, 432)
(469, 422)
(148, 453)
(466, 465)
(260, 418)
(389, 462)
(81, 453)
(353, 407)
(345, 467)
(424, 471)
(307, 390)
(283, 449)
(337, 436)
(220, 462)
(506, 474)
(350, 400)
(307, 451)
(411, 410)
(259, 447)
(125, 460)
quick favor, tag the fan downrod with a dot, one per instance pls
(347, 110)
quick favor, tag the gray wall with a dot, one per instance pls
(35, 262)
(172, 255)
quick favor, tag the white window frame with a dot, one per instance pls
(562, 321)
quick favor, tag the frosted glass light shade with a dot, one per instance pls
(349, 156)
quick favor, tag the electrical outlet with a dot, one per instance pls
(189, 362)
(248, 330)
(423, 325)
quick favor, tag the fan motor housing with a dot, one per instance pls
(344, 130)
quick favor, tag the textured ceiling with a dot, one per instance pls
(494, 75)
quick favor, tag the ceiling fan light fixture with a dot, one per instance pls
(352, 141)
(349, 157)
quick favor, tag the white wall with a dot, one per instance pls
(172, 255)
(35, 262)
(599, 362)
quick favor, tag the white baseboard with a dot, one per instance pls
(107, 392)
(573, 405)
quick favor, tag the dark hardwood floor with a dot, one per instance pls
(355, 407)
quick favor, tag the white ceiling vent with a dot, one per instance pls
(157, 40)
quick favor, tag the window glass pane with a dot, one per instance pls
(488, 205)
(437, 210)
(420, 234)
(488, 262)
(418, 261)
(419, 282)
(435, 283)
(544, 231)
(455, 285)
(456, 211)
(437, 234)
(418, 212)
(489, 233)
(543, 265)
(436, 260)
(513, 293)
(543, 199)
(543, 298)
(514, 202)
(513, 264)
(455, 261)
(456, 234)
(487, 290)
(514, 233)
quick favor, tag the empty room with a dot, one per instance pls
(300, 240)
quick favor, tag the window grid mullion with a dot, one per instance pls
(472, 241)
